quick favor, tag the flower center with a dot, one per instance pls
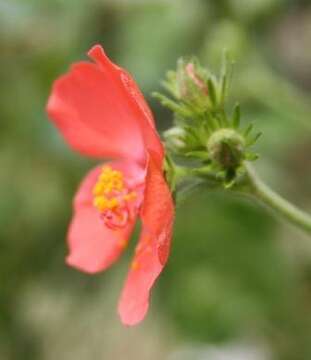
(113, 198)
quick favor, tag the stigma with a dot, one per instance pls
(113, 199)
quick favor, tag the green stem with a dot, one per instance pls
(264, 194)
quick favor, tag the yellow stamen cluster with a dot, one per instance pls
(108, 190)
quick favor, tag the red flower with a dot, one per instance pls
(101, 113)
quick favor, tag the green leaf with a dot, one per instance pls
(252, 140)
(212, 91)
(198, 154)
(170, 104)
(236, 116)
(212, 122)
(248, 129)
(251, 156)
(223, 88)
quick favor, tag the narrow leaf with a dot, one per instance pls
(251, 156)
(248, 129)
(212, 91)
(223, 88)
(236, 116)
(198, 154)
(252, 140)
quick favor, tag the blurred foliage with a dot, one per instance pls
(235, 272)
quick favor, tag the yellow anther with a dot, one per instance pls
(100, 202)
(98, 189)
(112, 203)
(116, 174)
(117, 184)
(109, 190)
(135, 265)
(130, 196)
(97, 200)
(122, 243)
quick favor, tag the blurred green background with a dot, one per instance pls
(238, 283)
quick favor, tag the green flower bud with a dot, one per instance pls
(191, 82)
(226, 148)
(191, 72)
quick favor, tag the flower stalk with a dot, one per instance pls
(265, 195)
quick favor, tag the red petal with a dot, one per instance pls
(153, 248)
(135, 98)
(97, 53)
(100, 111)
(94, 113)
(93, 246)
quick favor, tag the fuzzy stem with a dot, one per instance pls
(258, 189)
